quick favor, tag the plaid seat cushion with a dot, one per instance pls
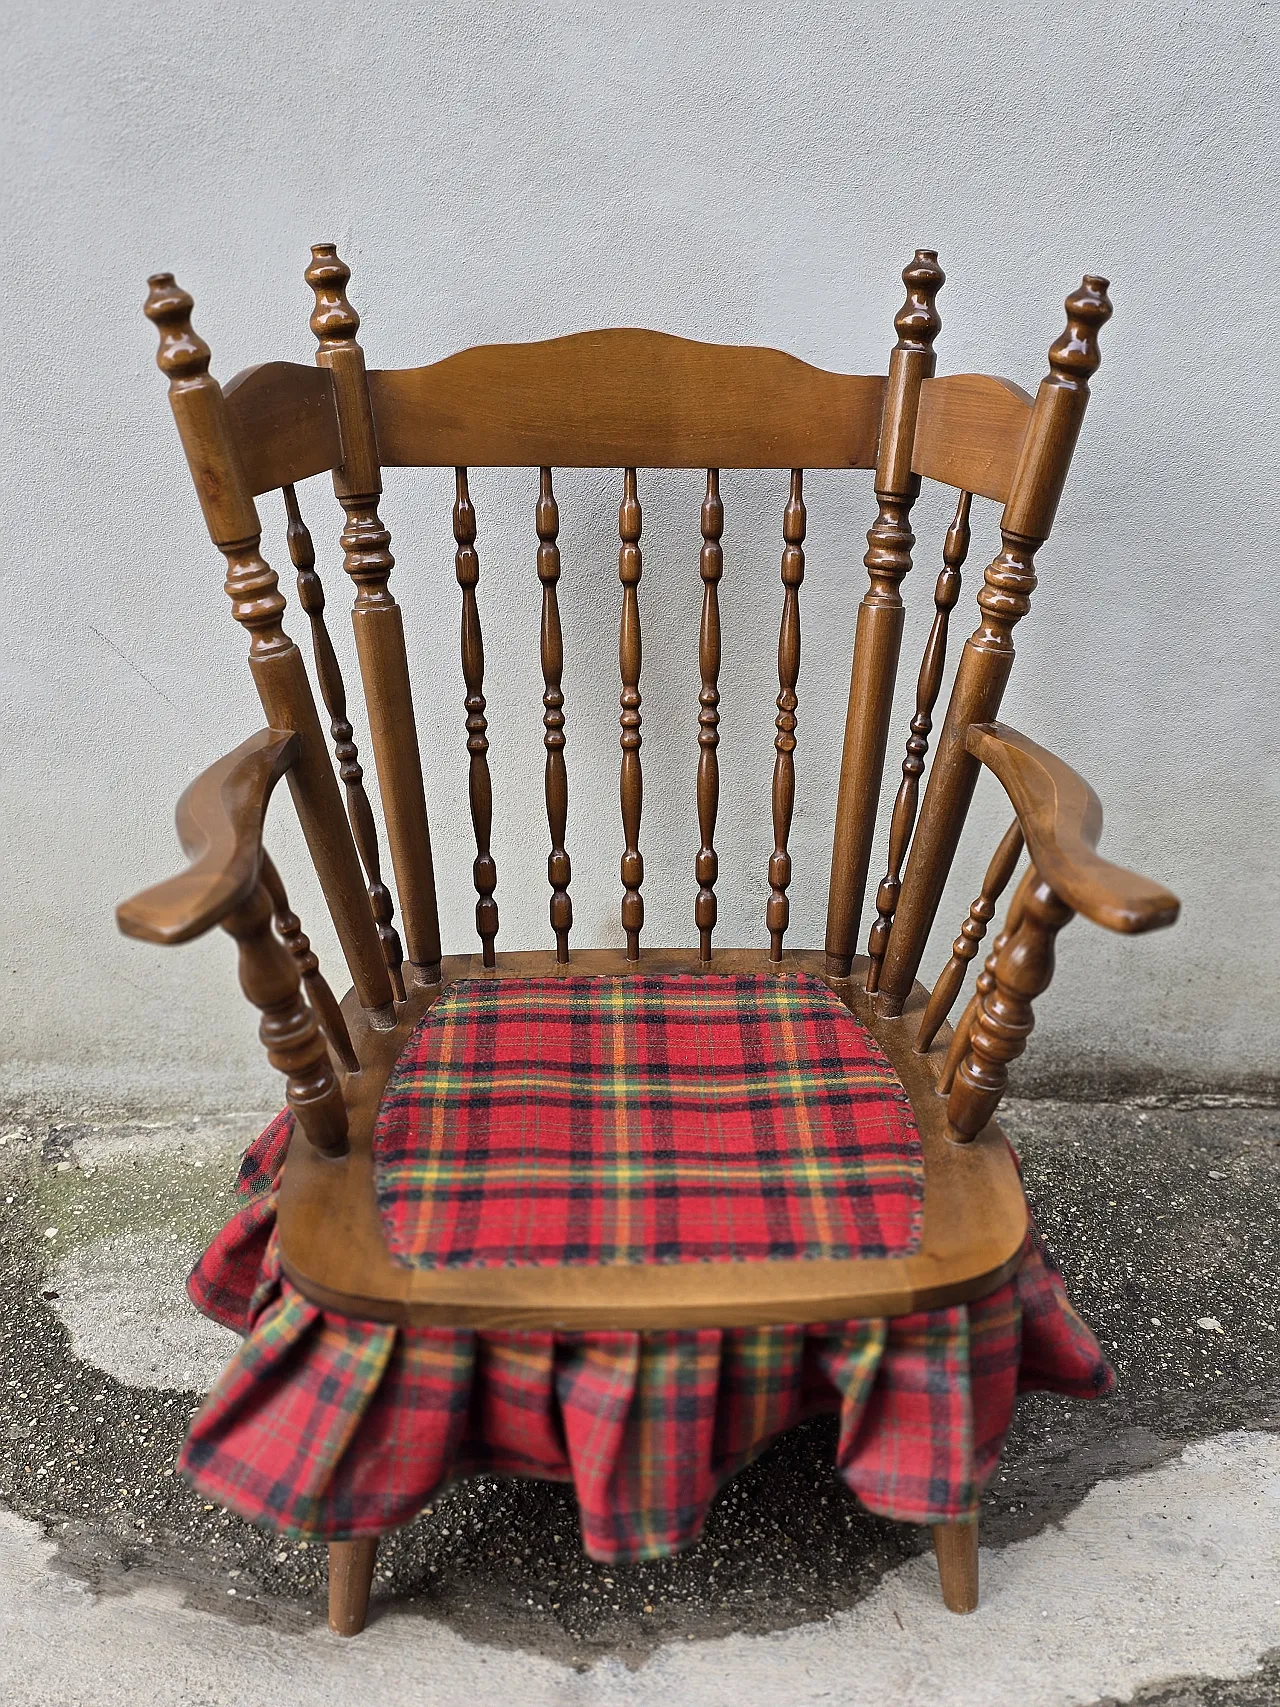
(644, 1120)
(329, 1427)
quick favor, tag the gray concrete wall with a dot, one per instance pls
(756, 173)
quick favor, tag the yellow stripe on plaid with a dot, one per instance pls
(643, 1119)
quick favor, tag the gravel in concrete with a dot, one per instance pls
(1153, 1213)
(1148, 1576)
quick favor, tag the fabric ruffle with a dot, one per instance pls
(330, 1427)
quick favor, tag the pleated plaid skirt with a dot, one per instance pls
(330, 1427)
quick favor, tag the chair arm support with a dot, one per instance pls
(220, 818)
(1061, 819)
(232, 883)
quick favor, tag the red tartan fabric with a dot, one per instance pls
(556, 1121)
(327, 1427)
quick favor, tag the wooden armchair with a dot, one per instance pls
(635, 399)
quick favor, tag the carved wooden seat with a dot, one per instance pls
(635, 400)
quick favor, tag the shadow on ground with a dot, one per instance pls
(1151, 1213)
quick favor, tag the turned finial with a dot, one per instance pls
(1075, 355)
(918, 322)
(334, 321)
(183, 353)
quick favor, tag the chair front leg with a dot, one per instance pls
(1023, 969)
(350, 1579)
(956, 1548)
(294, 1044)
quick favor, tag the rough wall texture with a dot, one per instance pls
(755, 173)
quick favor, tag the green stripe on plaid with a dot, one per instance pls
(328, 1427)
(644, 1120)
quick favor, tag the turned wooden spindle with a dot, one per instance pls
(1023, 969)
(878, 636)
(954, 551)
(275, 663)
(376, 617)
(630, 564)
(778, 912)
(986, 982)
(320, 998)
(965, 947)
(479, 787)
(270, 978)
(559, 869)
(987, 657)
(332, 690)
(710, 567)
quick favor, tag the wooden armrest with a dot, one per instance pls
(219, 821)
(1061, 819)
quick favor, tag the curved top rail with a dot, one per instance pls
(624, 398)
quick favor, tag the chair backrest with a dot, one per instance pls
(632, 400)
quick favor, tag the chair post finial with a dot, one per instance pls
(1075, 357)
(879, 629)
(376, 617)
(199, 412)
(183, 353)
(210, 441)
(918, 322)
(1004, 599)
(334, 321)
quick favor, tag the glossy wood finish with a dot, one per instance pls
(375, 617)
(625, 398)
(981, 911)
(634, 399)
(293, 1041)
(320, 998)
(954, 551)
(351, 1566)
(631, 785)
(258, 605)
(974, 1212)
(879, 628)
(231, 883)
(988, 654)
(958, 1047)
(334, 694)
(794, 522)
(1061, 818)
(551, 649)
(284, 423)
(581, 400)
(220, 818)
(969, 432)
(1004, 1018)
(484, 871)
(955, 1546)
(710, 568)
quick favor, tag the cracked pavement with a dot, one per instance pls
(1153, 1214)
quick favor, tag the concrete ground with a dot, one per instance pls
(1131, 1548)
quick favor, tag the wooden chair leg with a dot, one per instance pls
(956, 1546)
(350, 1578)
